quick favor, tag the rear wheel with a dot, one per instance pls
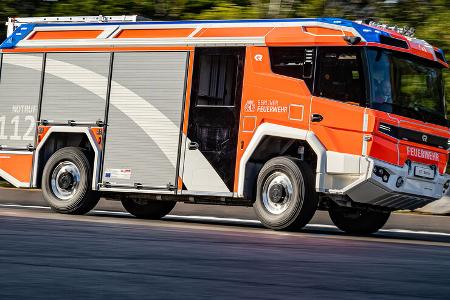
(358, 221)
(67, 181)
(286, 197)
(148, 209)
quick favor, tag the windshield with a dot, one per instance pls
(406, 86)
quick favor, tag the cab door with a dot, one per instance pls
(338, 104)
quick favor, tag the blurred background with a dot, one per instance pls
(431, 18)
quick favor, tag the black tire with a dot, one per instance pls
(358, 221)
(83, 199)
(148, 209)
(300, 205)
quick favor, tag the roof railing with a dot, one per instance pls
(406, 31)
(13, 23)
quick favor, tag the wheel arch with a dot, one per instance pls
(282, 138)
(57, 138)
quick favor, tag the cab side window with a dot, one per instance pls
(340, 75)
(295, 62)
(217, 80)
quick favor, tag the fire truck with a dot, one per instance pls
(288, 116)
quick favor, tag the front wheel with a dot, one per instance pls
(148, 209)
(285, 196)
(358, 221)
(67, 180)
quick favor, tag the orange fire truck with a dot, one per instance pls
(289, 116)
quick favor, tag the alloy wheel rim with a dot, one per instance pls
(65, 180)
(277, 193)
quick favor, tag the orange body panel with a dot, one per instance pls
(389, 149)
(65, 35)
(263, 90)
(18, 166)
(317, 30)
(295, 36)
(188, 93)
(97, 132)
(440, 154)
(384, 149)
(154, 33)
(42, 131)
(341, 129)
(381, 146)
(414, 49)
(233, 32)
(187, 105)
(180, 183)
(428, 129)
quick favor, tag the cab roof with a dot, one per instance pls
(45, 36)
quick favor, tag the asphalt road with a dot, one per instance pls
(110, 255)
(414, 222)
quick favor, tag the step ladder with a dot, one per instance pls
(13, 23)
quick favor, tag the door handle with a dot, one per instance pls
(193, 146)
(316, 118)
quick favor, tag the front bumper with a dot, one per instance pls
(368, 187)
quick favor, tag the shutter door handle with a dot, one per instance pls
(316, 118)
(193, 146)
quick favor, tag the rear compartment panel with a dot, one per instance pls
(19, 93)
(75, 86)
(145, 114)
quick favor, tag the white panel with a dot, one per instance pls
(342, 163)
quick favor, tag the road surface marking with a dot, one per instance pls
(235, 221)
(25, 206)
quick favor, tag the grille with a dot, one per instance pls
(413, 136)
(401, 201)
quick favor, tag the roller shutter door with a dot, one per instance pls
(75, 87)
(20, 79)
(145, 115)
